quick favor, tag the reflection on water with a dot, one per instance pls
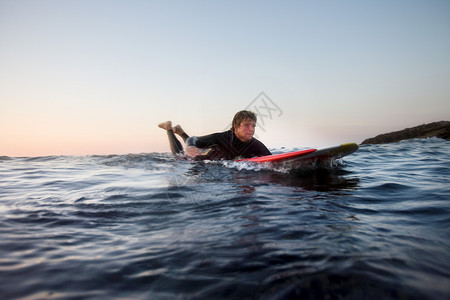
(319, 179)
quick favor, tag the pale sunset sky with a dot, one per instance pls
(96, 77)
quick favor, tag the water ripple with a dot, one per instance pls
(149, 226)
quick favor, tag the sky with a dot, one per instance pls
(96, 77)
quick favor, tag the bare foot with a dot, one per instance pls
(178, 130)
(165, 125)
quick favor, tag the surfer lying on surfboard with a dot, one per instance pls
(231, 144)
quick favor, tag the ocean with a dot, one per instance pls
(373, 225)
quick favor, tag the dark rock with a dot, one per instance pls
(437, 129)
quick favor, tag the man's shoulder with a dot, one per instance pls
(222, 133)
(215, 134)
(259, 147)
(256, 141)
(225, 135)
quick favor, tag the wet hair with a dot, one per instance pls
(241, 116)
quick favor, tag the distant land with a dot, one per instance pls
(436, 129)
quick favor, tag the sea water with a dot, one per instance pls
(375, 225)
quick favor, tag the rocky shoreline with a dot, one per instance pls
(436, 129)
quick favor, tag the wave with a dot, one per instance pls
(153, 225)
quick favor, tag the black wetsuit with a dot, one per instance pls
(222, 145)
(225, 145)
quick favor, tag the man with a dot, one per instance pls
(231, 144)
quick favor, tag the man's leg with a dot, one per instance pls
(175, 145)
(178, 130)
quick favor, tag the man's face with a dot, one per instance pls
(246, 130)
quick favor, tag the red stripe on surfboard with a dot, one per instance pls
(278, 157)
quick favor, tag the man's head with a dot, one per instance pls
(243, 125)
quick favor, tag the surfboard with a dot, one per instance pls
(315, 155)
